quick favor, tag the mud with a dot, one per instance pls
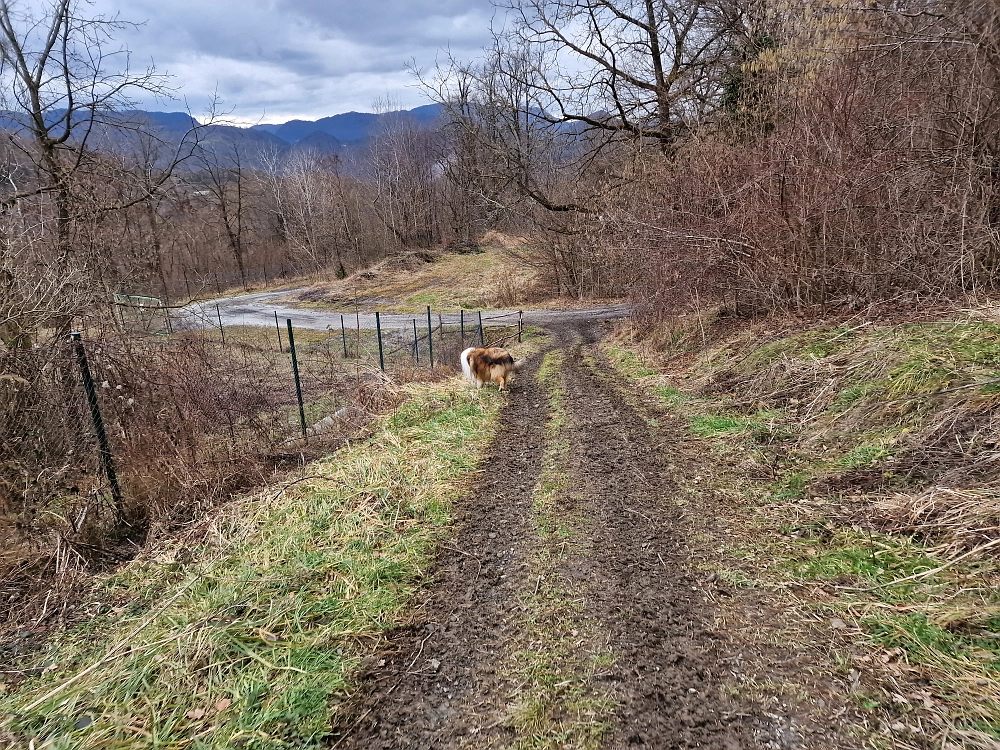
(440, 683)
(435, 684)
(667, 672)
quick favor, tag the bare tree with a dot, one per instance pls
(224, 180)
(402, 166)
(645, 68)
(309, 198)
(65, 85)
(66, 82)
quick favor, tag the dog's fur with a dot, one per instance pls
(492, 365)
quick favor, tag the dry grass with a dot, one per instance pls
(860, 465)
(246, 630)
(447, 282)
(960, 519)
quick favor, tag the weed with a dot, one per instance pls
(792, 485)
(628, 363)
(808, 345)
(757, 426)
(867, 453)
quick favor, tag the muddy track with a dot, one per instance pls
(435, 684)
(667, 670)
(444, 681)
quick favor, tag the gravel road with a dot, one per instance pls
(259, 310)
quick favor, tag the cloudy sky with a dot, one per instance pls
(275, 60)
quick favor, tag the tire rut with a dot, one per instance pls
(667, 674)
(444, 681)
(434, 684)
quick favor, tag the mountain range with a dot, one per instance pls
(329, 135)
(326, 135)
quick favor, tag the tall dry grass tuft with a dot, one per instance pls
(957, 519)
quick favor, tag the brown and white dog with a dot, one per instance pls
(492, 365)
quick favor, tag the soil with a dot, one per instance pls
(441, 681)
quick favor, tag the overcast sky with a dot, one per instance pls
(276, 60)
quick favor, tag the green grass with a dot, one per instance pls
(670, 396)
(817, 344)
(758, 426)
(922, 358)
(860, 561)
(628, 363)
(250, 637)
(866, 454)
(792, 485)
(926, 642)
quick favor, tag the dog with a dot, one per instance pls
(492, 365)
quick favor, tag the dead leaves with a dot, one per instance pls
(197, 714)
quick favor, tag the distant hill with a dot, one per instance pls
(321, 142)
(349, 126)
(339, 134)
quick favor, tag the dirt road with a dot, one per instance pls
(259, 310)
(565, 612)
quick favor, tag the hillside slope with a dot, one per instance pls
(860, 463)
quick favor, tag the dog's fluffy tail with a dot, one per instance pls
(466, 367)
(519, 364)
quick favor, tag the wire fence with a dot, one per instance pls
(115, 425)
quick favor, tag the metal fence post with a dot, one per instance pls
(378, 332)
(520, 325)
(343, 334)
(222, 330)
(295, 369)
(416, 347)
(277, 325)
(107, 461)
(430, 337)
(461, 323)
(166, 314)
(482, 342)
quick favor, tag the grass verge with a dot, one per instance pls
(247, 633)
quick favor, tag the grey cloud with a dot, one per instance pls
(298, 58)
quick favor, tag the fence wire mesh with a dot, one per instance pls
(191, 417)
